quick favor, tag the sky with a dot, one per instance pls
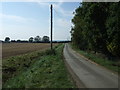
(22, 20)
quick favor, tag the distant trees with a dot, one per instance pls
(45, 39)
(96, 27)
(13, 41)
(18, 40)
(7, 39)
(31, 39)
(37, 39)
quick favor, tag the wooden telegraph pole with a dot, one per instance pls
(51, 26)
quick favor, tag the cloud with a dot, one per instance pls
(57, 7)
(15, 18)
(43, 3)
(63, 23)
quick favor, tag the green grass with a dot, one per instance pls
(44, 70)
(109, 64)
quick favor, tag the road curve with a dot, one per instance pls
(90, 75)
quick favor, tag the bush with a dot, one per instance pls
(50, 52)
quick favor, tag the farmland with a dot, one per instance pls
(13, 49)
(38, 69)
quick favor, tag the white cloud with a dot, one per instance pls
(15, 18)
(43, 3)
(62, 23)
(57, 7)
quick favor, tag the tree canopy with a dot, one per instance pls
(7, 39)
(45, 39)
(96, 27)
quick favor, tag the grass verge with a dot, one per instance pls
(109, 64)
(37, 70)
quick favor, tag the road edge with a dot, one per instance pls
(74, 77)
(91, 61)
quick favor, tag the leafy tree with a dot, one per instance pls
(45, 39)
(13, 41)
(96, 27)
(113, 32)
(7, 39)
(31, 39)
(97, 15)
(37, 39)
(77, 30)
(18, 40)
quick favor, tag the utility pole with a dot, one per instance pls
(51, 26)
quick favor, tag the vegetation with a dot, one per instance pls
(96, 28)
(31, 39)
(45, 39)
(37, 39)
(37, 70)
(7, 39)
(114, 66)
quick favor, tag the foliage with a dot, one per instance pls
(101, 60)
(37, 39)
(96, 27)
(113, 31)
(31, 39)
(7, 39)
(50, 52)
(45, 39)
(37, 70)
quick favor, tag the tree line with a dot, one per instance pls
(31, 39)
(36, 39)
(96, 27)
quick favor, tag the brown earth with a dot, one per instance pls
(13, 49)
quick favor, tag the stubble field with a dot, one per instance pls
(13, 49)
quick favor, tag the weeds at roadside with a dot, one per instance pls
(47, 70)
(112, 65)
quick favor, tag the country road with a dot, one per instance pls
(86, 73)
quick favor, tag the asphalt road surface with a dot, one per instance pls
(87, 73)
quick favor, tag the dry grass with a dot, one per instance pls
(13, 49)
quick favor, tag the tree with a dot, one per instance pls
(45, 39)
(37, 39)
(7, 39)
(13, 41)
(96, 27)
(113, 32)
(31, 39)
(96, 16)
(18, 40)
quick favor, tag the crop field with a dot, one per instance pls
(13, 49)
(38, 69)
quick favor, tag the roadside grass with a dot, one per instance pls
(37, 70)
(109, 64)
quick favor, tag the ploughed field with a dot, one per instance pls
(13, 49)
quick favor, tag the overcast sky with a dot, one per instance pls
(22, 20)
